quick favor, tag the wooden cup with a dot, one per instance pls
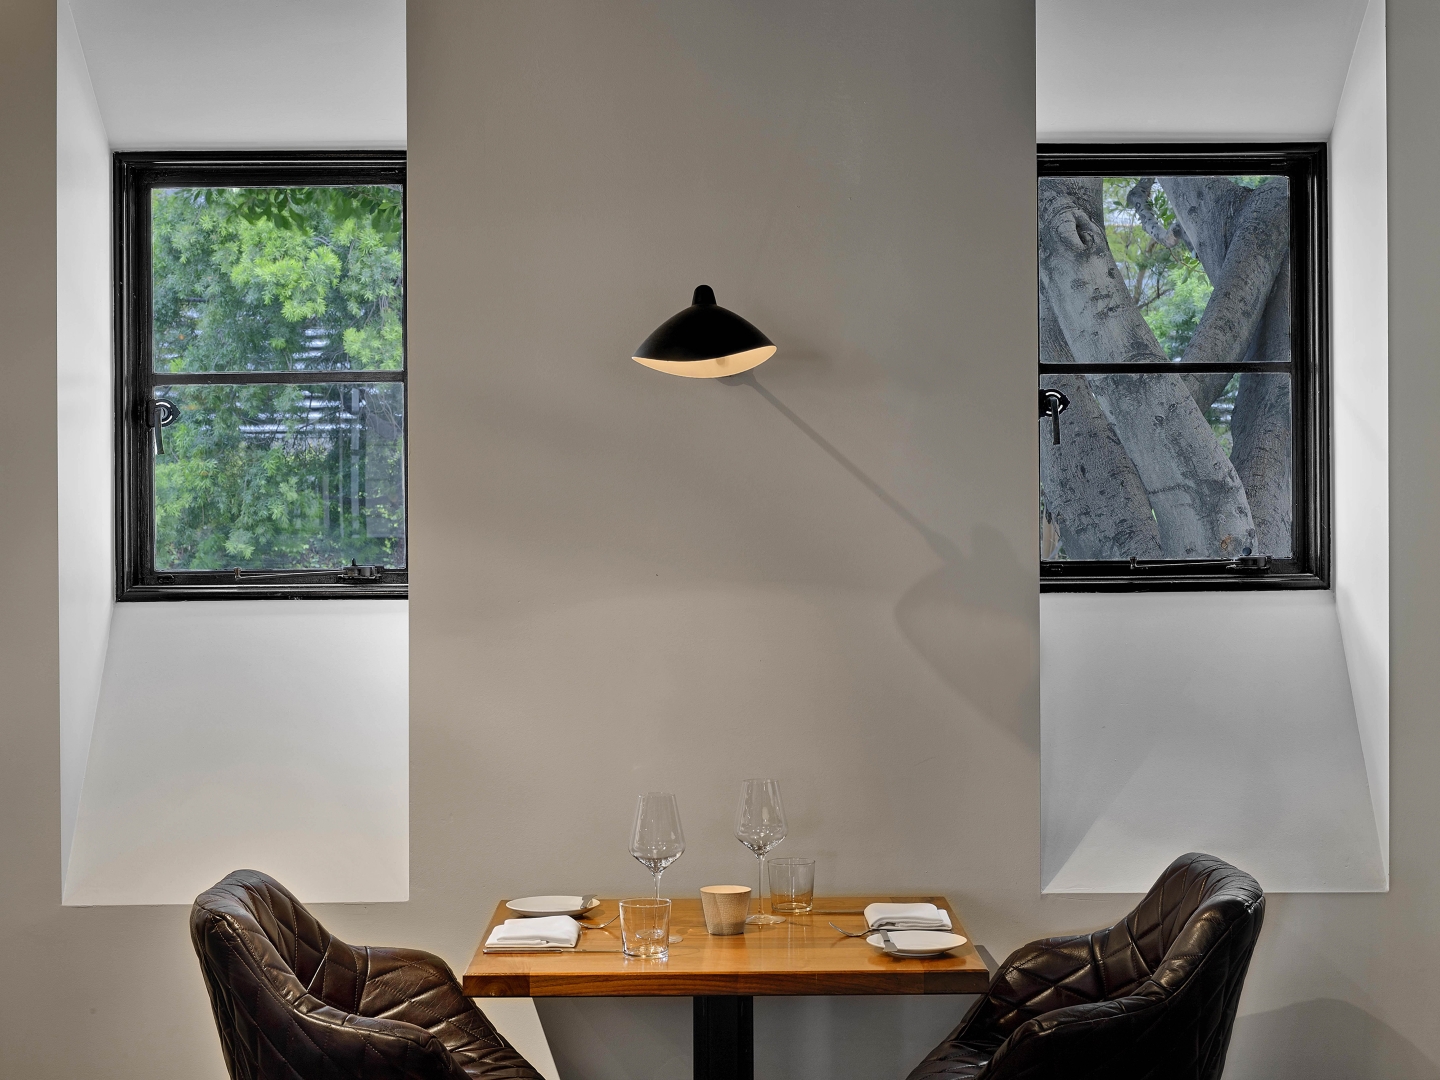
(725, 908)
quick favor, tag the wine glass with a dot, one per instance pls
(657, 840)
(760, 825)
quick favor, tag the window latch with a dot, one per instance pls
(1249, 564)
(1052, 404)
(361, 573)
(161, 413)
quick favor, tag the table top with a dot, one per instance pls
(802, 955)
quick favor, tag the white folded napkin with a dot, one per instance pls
(906, 917)
(551, 932)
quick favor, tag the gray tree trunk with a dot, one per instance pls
(1243, 233)
(1092, 490)
(1260, 430)
(1195, 492)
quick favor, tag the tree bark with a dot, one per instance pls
(1260, 430)
(1232, 225)
(1198, 499)
(1138, 200)
(1206, 387)
(1092, 491)
(1206, 207)
(1259, 243)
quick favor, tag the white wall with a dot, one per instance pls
(263, 734)
(1346, 986)
(1191, 69)
(1361, 386)
(1277, 664)
(267, 74)
(1193, 722)
(306, 743)
(83, 429)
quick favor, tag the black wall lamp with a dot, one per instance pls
(705, 341)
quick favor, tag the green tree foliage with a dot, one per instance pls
(1169, 285)
(279, 279)
(1167, 282)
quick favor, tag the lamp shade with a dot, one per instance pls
(705, 341)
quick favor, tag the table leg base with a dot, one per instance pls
(724, 1030)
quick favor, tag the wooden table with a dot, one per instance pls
(801, 956)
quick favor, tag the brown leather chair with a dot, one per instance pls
(1151, 998)
(292, 1001)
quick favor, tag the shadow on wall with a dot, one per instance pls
(966, 618)
(962, 619)
(1323, 1039)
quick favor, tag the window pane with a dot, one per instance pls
(281, 477)
(1147, 289)
(1168, 467)
(277, 279)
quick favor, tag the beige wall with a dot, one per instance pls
(624, 580)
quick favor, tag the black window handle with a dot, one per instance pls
(158, 414)
(1052, 404)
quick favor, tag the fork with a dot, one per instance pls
(885, 942)
(884, 939)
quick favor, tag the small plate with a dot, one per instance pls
(915, 944)
(539, 906)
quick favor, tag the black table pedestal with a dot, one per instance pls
(724, 1038)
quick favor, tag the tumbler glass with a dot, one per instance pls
(645, 928)
(792, 885)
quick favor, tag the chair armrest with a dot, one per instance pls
(410, 985)
(1087, 1039)
(372, 1048)
(419, 988)
(1041, 977)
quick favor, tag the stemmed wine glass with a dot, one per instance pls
(657, 840)
(760, 825)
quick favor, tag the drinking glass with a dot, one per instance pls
(657, 840)
(760, 825)
(645, 928)
(792, 885)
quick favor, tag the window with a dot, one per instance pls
(1184, 437)
(261, 383)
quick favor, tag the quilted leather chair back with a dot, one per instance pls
(1154, 995)
(294, 1002)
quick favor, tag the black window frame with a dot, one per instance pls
(134, 177)
(1307, 168)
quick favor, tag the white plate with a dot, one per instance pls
(919, 943)
(539, 906)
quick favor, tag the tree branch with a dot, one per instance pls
(1138, 200)
(1258, 245)
(1206, 207)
